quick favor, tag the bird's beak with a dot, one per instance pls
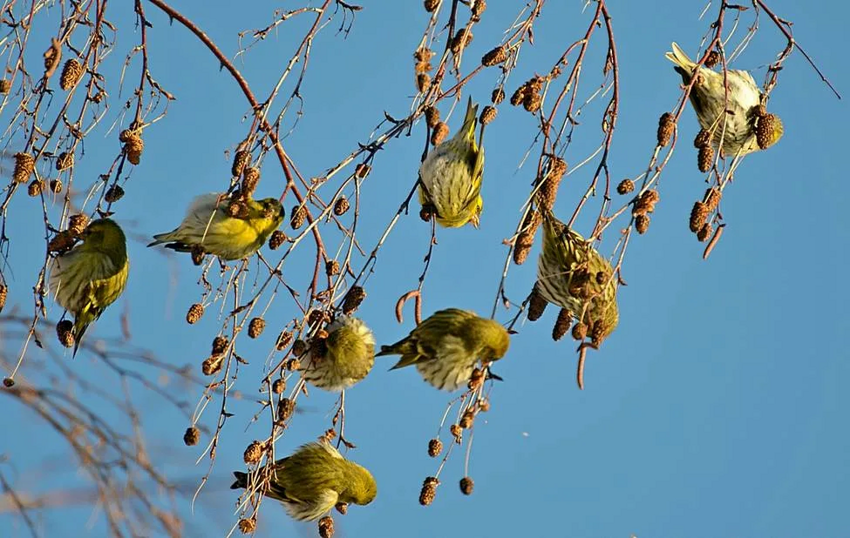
(491, 375)
(475, 220)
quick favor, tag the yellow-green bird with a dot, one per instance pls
(446, 347)
(316, 477)
(451, 176)
(209, 226)
(709, 99)
(345, 357)
(92, 275)
(573, 275)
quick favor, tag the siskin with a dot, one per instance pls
(345, 357)
(207, 225)
(708, 97)
(446, 347)
(573, 275)
(92, 275)
(314, 479)
(451, 176)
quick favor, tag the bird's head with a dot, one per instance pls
(272, 209)
(105, 235)
(362, 488)
(494, 339)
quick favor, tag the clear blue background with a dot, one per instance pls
(716, 407)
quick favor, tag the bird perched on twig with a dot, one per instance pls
(229, 228)
(737, 135)
(451, 176)
(316, 477)
(342, 359)
(92, 275)
(446, 347)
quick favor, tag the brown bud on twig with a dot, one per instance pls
(332, 268)
(353, 299)
(536, 305)
(495, 56)
(441, 131)
(435, 447)
(466, 485)
(562, 324)
(341, 206)
(429, 490)
(666, 125)
(579, 331)
(56, 186)
(72, 72)
(113, 194)
(191, 436)
(342, 508)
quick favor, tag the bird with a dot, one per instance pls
(575, 276)
(311, 481)
(446, 347)
(742, 105)
(451, 176)
(92, 275)
(229, 228)
(342, 359)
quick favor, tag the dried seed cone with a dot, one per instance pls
(466, 485)
(699, 214)
(518, 95)
(24, 166)
(435, 447)
(642, 224)
(250, 180)
(191, 436)
(277, 239)
(353, 299)
(5, 86)
(35, 187)
(765, 128)
(326, 527)
(219, 344)
(65, 332)
(704, 158)
(256, 327)
(466, 420)
(332, 268)
(63, 241)
(536, 305)
(431, 5)
(429, 490)
(196, 311)
(704, 233)
(702, 139)
(666, 125)
(432, 116)
(114, 193)
(64, 161)
(298, 349)
(646, 203)
(240, 161)
(461, 40)
(525, 240)
(247, 525)
(626, 186)
(77, 223)
(212, 365)
(497, 96)
(341, 206)
(488, 115)
(253, 453)
(4, 293)
(548, 192)
(278, 386)
(495, 57)
(362, 170)
(56, 186)
(423, 82)
(283, 340)
(579, 331)
(531, 102)
(713, 59)
(456, 432)
(198, 255)
(133, 145)
(562, 324)
(72, 72)
(285, 409)
(237, 209)
(299, 216)
(441, 131)
(478, 8)
(342, 508)
(712, 198)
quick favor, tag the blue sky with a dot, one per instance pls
(713, 410)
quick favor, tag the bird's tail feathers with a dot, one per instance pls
(680, 58)
(470, 120)
(241, 480)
